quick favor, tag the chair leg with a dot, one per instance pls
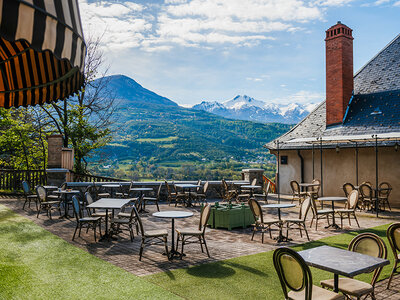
(262, 236)
(80, 228)
(100, 228)
(205, 245)
(301, 234)
(183, 243)
(141, 249)
(254, 232)
(131, 232)
(355, 218)
(158, 209)
(393, 271)
(201, 244)
(94, 231)
(177, 242)
(166, 246)
(305, 229)
(23, 207)
(76, 228)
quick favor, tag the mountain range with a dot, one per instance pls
(153, 128)
(250, 109)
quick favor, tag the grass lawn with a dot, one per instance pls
(35, 264)
(249, 277)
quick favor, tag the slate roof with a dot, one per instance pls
(374, 108)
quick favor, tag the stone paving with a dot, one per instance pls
(222, 244)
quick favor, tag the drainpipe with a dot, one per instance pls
(301, 166)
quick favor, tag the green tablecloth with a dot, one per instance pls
(224, 217)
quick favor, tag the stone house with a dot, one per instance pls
(337, 142)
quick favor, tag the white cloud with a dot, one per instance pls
(301, 97)
(397, 3)
(333, 2)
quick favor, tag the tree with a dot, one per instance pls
(84, 119)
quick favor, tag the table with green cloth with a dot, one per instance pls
(230, 216)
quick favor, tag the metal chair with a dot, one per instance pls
(319, 214)
(44, 204)
(153, 199)
(296, 279)
(28, 195)
(367, 198)
(195, 235)
(350, 209)
(90, 222)
(297, 195)
(93, 212)
(365, 243)
(264, 195)
(301, 221)
(384, 191)
(347, 188)
(119, 224)
(393, 235)
(260, 223)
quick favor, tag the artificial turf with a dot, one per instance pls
(36, 264)
(252, 276)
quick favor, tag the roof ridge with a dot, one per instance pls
(373, 58)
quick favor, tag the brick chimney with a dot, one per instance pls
(339, 72)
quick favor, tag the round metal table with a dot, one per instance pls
(173, 214)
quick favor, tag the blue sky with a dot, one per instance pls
(272, 50)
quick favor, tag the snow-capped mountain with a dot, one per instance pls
(247, 108)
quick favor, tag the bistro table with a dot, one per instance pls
(341, 262)
(141, 190)
(281, 237)
(188, 186)
(112, 188)
(251, 188)
(173, 214)
(64, 194)
(50, 187)
(308, 185)
(333, 200)
(109, 203)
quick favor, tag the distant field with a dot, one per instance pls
(158, 140)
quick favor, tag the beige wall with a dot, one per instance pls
(339, 168)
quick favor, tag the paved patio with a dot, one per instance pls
(222, 244)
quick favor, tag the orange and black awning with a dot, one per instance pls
(42, 51)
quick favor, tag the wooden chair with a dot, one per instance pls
(297, 195)
(296, 279)
(260, 223)
(81, 221)
(44, 204)
(393, 235)
(264, 195)
(319, 214)
(384, 191)
(228, 193)
(159, 236)
(195, 235)
(365, 243)
(28, 195)
(350, 209)
(301, 221)
(153, 199)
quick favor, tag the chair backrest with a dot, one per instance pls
(293, 272)
(295, 187)
(199, 187)
(204, 216)
(139, 220)
(393, 235)
(25, 187)
(88, 198)
(159, 191)
(370, 244)
(256, 210)
(77, 208)
(352, 199)
(266, 188)
(64, 186)
(168, 188)
(365, 190)
(316, 188)
(41, 193)
(305, 206)
(224, 185)
(314, 205)
(254, 182)
(205, 187)
(347, 188)
(384, 189)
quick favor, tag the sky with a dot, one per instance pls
(212, 50)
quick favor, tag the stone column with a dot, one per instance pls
(250, 174)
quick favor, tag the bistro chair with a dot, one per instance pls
(264, 194)
(315, 189)
(350, 209)
(44, 203)
(201, 195)
(393, 235)
(153, 199)
(94, 212)
(123, 191)
(119, 224)
(384, 191)
(297, 195)
(301, 221)
(90, 222)
(171, 195)
(367, 198)
(228, 193)
(248, 191)
(159, 236)
(28, 195)
(260, 224)
(348, 188)
(195, 235)
(319, 214)
(296, 279)
(365, 243)
(180, 197)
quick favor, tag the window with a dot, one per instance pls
(284, 160)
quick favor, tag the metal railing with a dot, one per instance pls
(11, 180)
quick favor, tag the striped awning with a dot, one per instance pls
(42, 51)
